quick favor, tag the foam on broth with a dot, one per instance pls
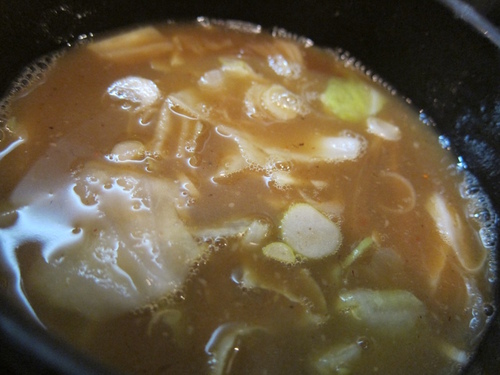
(155, 190)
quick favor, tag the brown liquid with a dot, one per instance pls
(69, 203)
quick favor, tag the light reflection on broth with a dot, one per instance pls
(199, 199)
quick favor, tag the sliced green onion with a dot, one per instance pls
(280, 251)
(357, 252)
(310, 233)
(351, 99)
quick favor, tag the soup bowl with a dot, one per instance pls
(441, 55)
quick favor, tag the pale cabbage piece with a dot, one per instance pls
(284, 179)
(343, 147)
(188, 194)
(257, 156)
(273, 102)
(238, 67)
(164, 126)
(250, 150)
(186, 104)
(213, 78)
(137, 91)
(310, 233)
(319, 184)
(339, 148)
(190, 138)
(386, 311)
(287, 49)
(282, 103)
(162, 64)
(231, 165)
(455, 233)
(256, 233)
(435, 265)
(179, 119)
(177, 59)
(127, 151)
(283, 67)
(383, 129)
(187, 185)
(337, 359)
(231, 68)
(250, 231)
(137, 45)
(199, 45)
(129, 247)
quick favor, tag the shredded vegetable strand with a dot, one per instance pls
(358, 252)
(403, 205)
(223, 345)
(163, 128)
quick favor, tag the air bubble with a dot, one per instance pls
(444, 142)
(246, 27)
(203, 21)
(32, 74)
(283, 33)
(349, 62)
(363, 342)
(461, 164)
(488, 237)
(482, 215)
(426, 120)
(220, 243)
(179, 296)
(472, 190)
(480, 210)
(284, 166)
(489, 310)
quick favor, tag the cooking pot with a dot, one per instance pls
(442, 55)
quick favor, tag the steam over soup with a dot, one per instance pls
(210, 199)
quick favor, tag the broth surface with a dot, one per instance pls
(190, 199)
